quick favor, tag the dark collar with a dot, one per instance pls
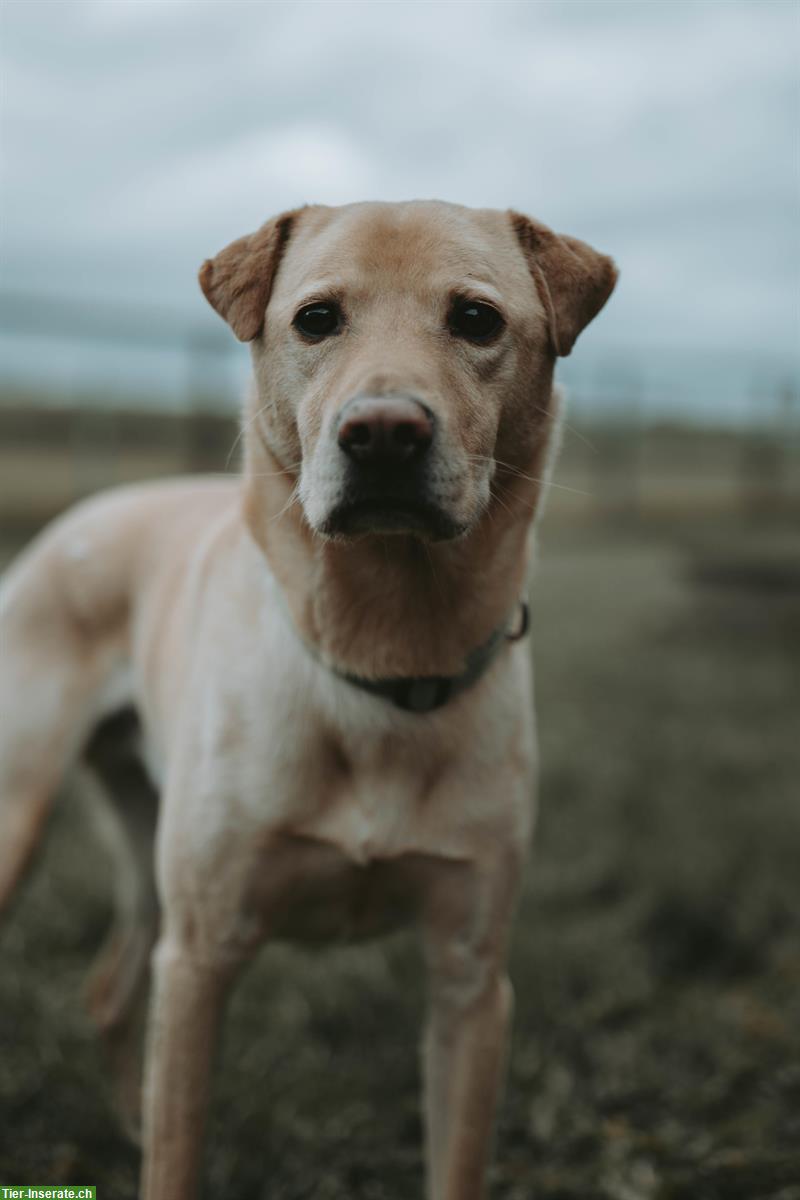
(424, 693)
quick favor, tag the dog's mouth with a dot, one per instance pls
(391, 515)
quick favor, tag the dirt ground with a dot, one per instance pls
(656, 960)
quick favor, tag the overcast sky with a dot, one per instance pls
(139, 136)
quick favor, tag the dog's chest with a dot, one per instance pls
(308, 891)
(370, 790)
(366, 818)
(362, 830)
(377, 798)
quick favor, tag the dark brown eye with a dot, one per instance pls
(474, 321)
(318, 320)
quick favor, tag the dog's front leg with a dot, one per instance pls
(203, 866)
(464, 1048)
(187, 1001)
(465, 1057)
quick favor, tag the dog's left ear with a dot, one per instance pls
(573, 280)
(237, 283)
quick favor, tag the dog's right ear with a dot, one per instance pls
(237, 283)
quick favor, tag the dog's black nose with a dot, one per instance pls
(390, 429)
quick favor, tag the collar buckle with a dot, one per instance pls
(519, 633)
(423, 695)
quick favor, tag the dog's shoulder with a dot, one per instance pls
(91, 561)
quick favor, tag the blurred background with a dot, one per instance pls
(657, 962)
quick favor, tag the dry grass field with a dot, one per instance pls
(656, 959)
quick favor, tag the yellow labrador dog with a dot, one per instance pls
(333, 702)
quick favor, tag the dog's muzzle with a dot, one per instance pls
(388, 443)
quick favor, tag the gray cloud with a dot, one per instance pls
(140, 136)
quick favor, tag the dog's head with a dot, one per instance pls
(403, 353)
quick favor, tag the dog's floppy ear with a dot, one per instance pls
(237, 283)
(573, 280)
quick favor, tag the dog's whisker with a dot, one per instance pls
(568, 428)
(563, 487)
(273, 474)
(242, 430)
(529, 478)
(294, 496)
(567, 425)
(253, 474)
(245, 426)
(548, 483)
(503, 505)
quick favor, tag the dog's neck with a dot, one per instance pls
(393, 605)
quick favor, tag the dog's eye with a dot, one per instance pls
(318, 320)
(474, 321)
